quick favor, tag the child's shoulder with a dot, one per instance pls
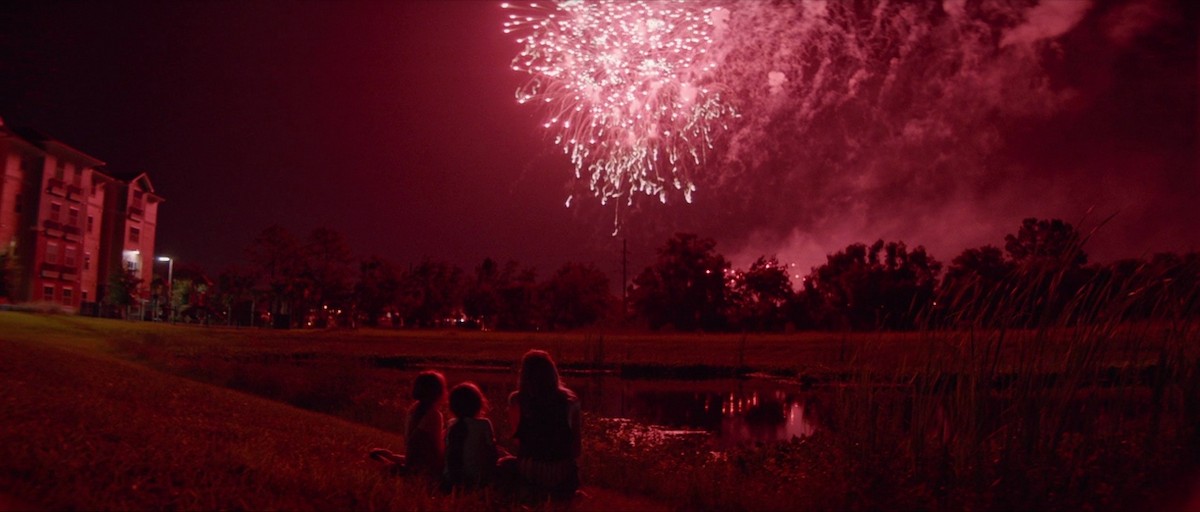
(478, 424)
(431, 419)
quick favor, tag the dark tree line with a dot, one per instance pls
(315, 282)
(1041, 275)
(883, 285)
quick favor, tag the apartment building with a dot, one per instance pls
(130, 215)
(66, 225)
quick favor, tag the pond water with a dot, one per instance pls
(728, 411)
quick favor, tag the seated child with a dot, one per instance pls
(471, 452)
(422, 430)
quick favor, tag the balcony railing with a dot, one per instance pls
(56, 186)
(50, 270)
(72, 233)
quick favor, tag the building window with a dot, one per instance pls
(59, 170)
(77, 177)
(132, 260)
(67, 296)
(69, 256)
(83, 295)
(47, 292)
(17, 206)
(87, 263)
(73, 216)
(135, 235)
(91, 223)
(51, 253)
(55, 211)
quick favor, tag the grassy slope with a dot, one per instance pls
(806, 353)
(81, 429)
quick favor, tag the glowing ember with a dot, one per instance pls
(628, 86)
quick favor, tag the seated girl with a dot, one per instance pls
(471, 451)
(422, 431)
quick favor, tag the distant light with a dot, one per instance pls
(163, 258)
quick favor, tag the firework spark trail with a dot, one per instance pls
(629, 89)
(821, 107)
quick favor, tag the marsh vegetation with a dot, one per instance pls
(1078, 413)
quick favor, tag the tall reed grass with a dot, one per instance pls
(1054, 389)
(1046, 390)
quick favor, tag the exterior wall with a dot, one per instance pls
(32, 164)
(114, 232)
(59, 244)
(141, 245)
(29, 235)
(93, 227)
(15, 201)
(19, 161)
(149, 227)
(105, 224)
(11, 180)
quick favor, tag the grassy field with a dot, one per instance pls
(84, 429)
(102, 414)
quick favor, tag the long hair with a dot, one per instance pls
(428, 388)
(539, 378)
(544, 402)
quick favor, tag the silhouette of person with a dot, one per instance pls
(471, 452)
(424, 451)
(548, 425)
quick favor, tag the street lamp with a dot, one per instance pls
(170, 293)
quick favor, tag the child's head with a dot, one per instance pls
(429, 387)
(539, 375)
(466, 401)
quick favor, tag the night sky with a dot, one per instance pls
(395, 123)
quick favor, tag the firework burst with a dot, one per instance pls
(629, 88)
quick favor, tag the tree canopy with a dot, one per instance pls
(1040, 275)
(685, 287)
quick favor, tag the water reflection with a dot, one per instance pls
(774, 419)
(730, 411)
